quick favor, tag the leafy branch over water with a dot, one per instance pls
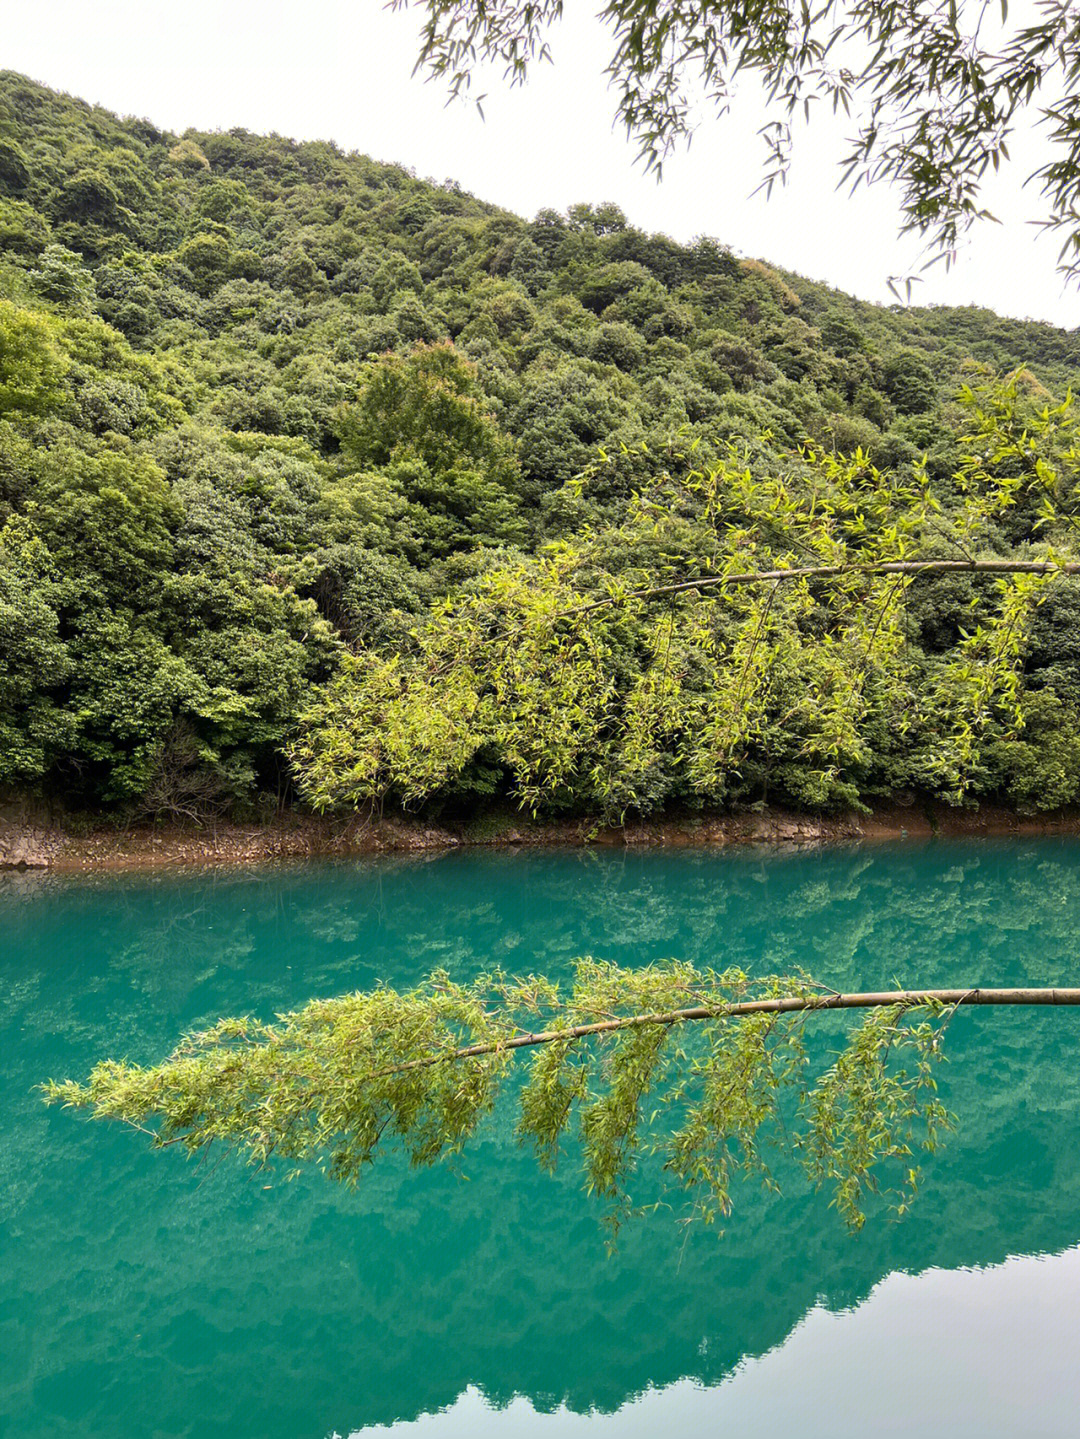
(706, 1070)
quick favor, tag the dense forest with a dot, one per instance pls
(292, 442)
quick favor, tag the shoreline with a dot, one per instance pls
(32, 840)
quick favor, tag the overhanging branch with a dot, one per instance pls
(915, 568)
(790, 1004)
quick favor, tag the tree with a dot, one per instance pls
(31, 364)
(64, 279)
(420, 418)
(182, 523)
(909, 384)
(34, 660)
(936, 90)
(702, 1069)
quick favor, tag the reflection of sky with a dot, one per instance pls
(948, 1354)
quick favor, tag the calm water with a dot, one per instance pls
(146, 1298)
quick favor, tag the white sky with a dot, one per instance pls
(341, 70)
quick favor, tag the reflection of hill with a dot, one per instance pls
(217, 1307)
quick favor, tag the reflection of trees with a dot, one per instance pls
(303, 1309)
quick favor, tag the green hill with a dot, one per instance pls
(264, 404)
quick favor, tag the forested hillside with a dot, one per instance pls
(286, 434)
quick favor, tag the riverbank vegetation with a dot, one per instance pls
(322, 482)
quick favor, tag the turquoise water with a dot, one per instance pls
(146, 1296)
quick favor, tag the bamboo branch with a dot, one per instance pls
(791, 1004)
(821, 572)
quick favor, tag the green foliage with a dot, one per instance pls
(62, 278)
(14, 171)
(909, 384)
(30, 362)
(737, 635)
(105, 514)
(23, 231)
(419, 418)
(644, 1064)
(33, 727)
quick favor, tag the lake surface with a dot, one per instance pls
(144, 1297)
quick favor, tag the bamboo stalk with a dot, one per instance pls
(790, 1004)
(813, 572)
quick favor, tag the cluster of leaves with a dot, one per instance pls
(286, 433)
(626, 1064)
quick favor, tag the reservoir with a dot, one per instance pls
(145, 1296)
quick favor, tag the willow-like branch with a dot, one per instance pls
(776, 652)
(713, 1052)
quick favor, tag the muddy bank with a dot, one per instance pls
(31, 839)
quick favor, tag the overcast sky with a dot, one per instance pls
(342, 70)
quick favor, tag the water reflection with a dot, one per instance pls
(144, 1298)
(971, 1354)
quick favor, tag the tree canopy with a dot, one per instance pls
(934, 90)
(731, 624)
